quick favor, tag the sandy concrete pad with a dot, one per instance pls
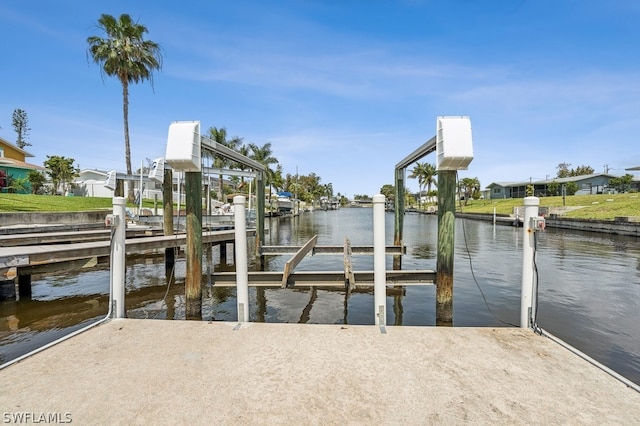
(184, 372)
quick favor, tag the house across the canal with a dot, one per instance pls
(13, 165)
(597, 183)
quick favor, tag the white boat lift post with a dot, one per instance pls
(531, 224)
(118, 223)
(241, 261)
(379, 263)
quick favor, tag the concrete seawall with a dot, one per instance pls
(619, 226)
(81, 220)
(26, 219)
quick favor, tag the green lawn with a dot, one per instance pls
(53, 203)
(604, 206)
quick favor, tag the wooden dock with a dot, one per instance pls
(86, 249)
(50, 253)
(193, 372)
(67, 237)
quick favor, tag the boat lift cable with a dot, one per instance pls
(474, 275)
(106, 318)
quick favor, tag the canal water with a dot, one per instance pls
(589, 286)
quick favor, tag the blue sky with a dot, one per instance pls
(344, 89)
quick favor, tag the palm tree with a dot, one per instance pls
(425, 173)
(418, 172)
(430, 173)
(125, 54)
(220, 136)
(468, 186)
(264, 155)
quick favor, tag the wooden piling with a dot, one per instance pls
(167, 216)
(24, 287)
(260, 206)
(349, 276)
(446, 239)
(223, 253)
(193, 279)
(399, 216)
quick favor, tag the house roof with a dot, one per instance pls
(547, 181)
(94, 171)
(10, 162)
(9, 144)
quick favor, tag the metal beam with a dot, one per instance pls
(427, 148)
(327, 278)
(227, 152)
(228, 172)
(296, 258)
(329, 250)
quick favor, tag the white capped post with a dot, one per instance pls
(242, 272)
(530, 211)
(118, 265)
(379, 261)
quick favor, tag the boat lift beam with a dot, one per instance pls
(365, 279)
(258, 171)
(329, 250)
(427, 148)
(296, 258)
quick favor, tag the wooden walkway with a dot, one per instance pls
(65, 237)
(35, 255)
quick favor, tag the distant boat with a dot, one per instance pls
(284, 202)
(327, 203)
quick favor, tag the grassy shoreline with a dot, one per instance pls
(600, 207)
(25, 203)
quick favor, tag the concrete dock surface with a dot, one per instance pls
(185, 372)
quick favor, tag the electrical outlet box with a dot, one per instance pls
(111, 220)
(537, 223)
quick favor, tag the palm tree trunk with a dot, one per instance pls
(127, 146)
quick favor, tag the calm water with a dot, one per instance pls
(589, 286)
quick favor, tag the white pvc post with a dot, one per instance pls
(118, 267)
(526, 306)
(140, 200)
(379, 262)
(242, 272)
